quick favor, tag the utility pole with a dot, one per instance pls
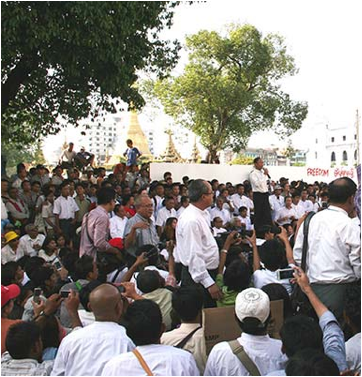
(357, 136)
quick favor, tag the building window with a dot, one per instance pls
(344, 156)
(344, 138)
(333, 157)
(332, 139)
(315, 155)
(316, 141)
(355, 136)
(355, 155)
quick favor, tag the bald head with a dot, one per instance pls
(106, 303)
(341, 189)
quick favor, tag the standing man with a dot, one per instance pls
(258, 179)
(334, 246)
(66, 159)
(197, 249)
(132, 153)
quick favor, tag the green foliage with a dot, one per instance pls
(242, 160)
(230, 88)
(298, 164)
(15, 153)
(70, 59)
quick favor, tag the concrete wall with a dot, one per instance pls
(238, 173)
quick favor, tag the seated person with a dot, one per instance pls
(243, 216)
(83, 158)
(217, 226)
(32, 242)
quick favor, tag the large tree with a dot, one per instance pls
(70, 59)
(231, 88)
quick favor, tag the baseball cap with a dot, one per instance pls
(254, 303)
(8, 293)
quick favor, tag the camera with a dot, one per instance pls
(286, 273)
(36, 296)
(244, 233)
(64, 294)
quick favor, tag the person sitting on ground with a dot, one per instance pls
(185, 201)
(49, 252)
(187, 304)
(245, 219)
(274, 257)
(143, 321)
(32, 241)
(220, 211)
(236, 277)
(18, 210)
(217, 226)
(252, 312)
(164, 213)
(118, 222)
(87, 350)
(12, 273)
(24, 355)
(11, 252)
(83, 158)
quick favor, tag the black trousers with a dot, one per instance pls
(262, 211)
(67, 228)
(186, 280)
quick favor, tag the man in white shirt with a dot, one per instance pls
(252, 310)
(185, 201)
(10, 252)
(334, 252)
(220, 211)
(118, 222)
(164, 213)
(31, 243)
(197, 249)
(84, 352)
(286, 214)
(258, 180)
(305, 202)
(276, 201)
(66, 159)
(158, 198)
(239, 199)
(65, 209)
(298, 207)
(143, 321)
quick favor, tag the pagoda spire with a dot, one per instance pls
(171, 154)
(195, 155)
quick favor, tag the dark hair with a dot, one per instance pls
(300, 332)
(148, 281)
(187, 302)
(32, 265)
(41, 275)
(34, 183)
(253, 326)
(83, 266)
(21, 338)
(79, 185)
(197, 188)
(237, 276)
(47, 241)
(308, 362)
(126, 198)
(184, 199)
(154, 259)
(272, 254)
(24, 182)
(105, 195)
(49, 331)
(86, 291)
(143, 322)
(256, 159)
(341, 189)
(277, 291)
(68, 261)
(352, 303)
(8, 272)
(242, 208)
(63, 184)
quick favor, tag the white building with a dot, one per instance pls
(333, 146)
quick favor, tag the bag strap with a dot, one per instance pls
(305, 240)
(239, 352)
(187, 338)
(86, 229)
(142, 362)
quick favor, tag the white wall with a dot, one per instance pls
(238, 173)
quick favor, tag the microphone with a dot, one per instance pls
(267, 174)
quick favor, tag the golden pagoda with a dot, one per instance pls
(195, 155)
(171, 154)
(139, 139)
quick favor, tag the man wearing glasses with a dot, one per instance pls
(197, 249)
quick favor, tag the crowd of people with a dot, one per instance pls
(108, 274)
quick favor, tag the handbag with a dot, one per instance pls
(299, 300)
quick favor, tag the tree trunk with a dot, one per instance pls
(212, 155)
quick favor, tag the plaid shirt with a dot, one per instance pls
(24, 367)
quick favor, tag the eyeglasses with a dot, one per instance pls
(210, 193)
(147, 205)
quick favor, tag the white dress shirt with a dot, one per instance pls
(179, 211)
(224, 214)
(246, 220)
(162, 360)
(157, 204)
(299, 210)
(258, 181)
(163, 214)
(285, 212)
(264, 351)
(240, 201)
(275, 204)
(217, 231)
(353, 353)
(196, 246)
(195, 345)
(334, 253)
(26, 244)
(117, 225)
(264, 277)
(65, 207)
(9, 255)
(84, 352)
(307, 205)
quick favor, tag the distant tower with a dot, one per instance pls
(136, 134)
(171, 154)
(195, 155)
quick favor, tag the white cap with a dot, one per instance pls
(252, 302)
